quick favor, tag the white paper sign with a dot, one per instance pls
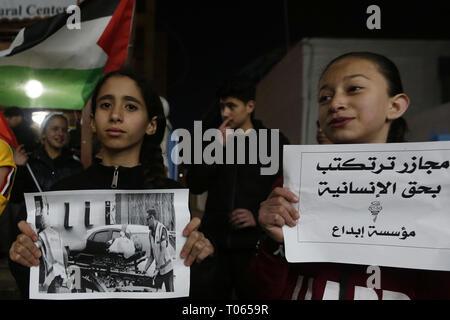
(370, 204)
(99, 244)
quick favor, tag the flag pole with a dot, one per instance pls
(34, 178)
(130, 50)
(86, 136)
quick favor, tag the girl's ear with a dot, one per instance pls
(92, 123)
(399, 105)
(152, 126)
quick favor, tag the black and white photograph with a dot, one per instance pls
(203, 154)
(99, 244)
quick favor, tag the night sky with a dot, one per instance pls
(211, 40)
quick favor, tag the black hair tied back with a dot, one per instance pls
(151, 153)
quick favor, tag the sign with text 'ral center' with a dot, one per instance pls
(371, 204)
(28, 9)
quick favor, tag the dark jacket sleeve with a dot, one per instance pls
(20, 273)
(433, 285)
(268, 275)
(199, 176)
(23, 183)
(284, 141)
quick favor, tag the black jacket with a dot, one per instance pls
(232, 186)
(99, 176)
(46, 170)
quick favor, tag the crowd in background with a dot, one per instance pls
(239, 239)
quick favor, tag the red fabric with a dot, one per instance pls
(6, 133)
(268, 276)
(278, 183)
(115, 39)
(274, 278)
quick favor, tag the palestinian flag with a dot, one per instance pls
(50, 66)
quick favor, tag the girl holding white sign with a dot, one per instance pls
(128, 119)
(361, 100)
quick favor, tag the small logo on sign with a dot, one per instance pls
(375, 208)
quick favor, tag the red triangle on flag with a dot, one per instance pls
(115, 39)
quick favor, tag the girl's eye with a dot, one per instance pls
(324, 98)
(105, 105)
(354, 88)
(131, 107)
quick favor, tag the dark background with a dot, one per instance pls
(208, 41)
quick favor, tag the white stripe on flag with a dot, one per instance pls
(18, 41)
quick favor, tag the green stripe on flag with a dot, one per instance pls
(62, 88)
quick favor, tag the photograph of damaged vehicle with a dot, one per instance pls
(115, 258)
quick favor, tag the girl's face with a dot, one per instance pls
(55, 134)
(121, 118)
(354, 105)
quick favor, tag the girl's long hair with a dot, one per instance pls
(150, 155)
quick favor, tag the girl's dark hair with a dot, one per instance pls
(389, 70)
(151, 154)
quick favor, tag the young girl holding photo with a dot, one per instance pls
(361, 100)
(128, 119)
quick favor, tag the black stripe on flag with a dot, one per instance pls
(41, 30)
(94, 9)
